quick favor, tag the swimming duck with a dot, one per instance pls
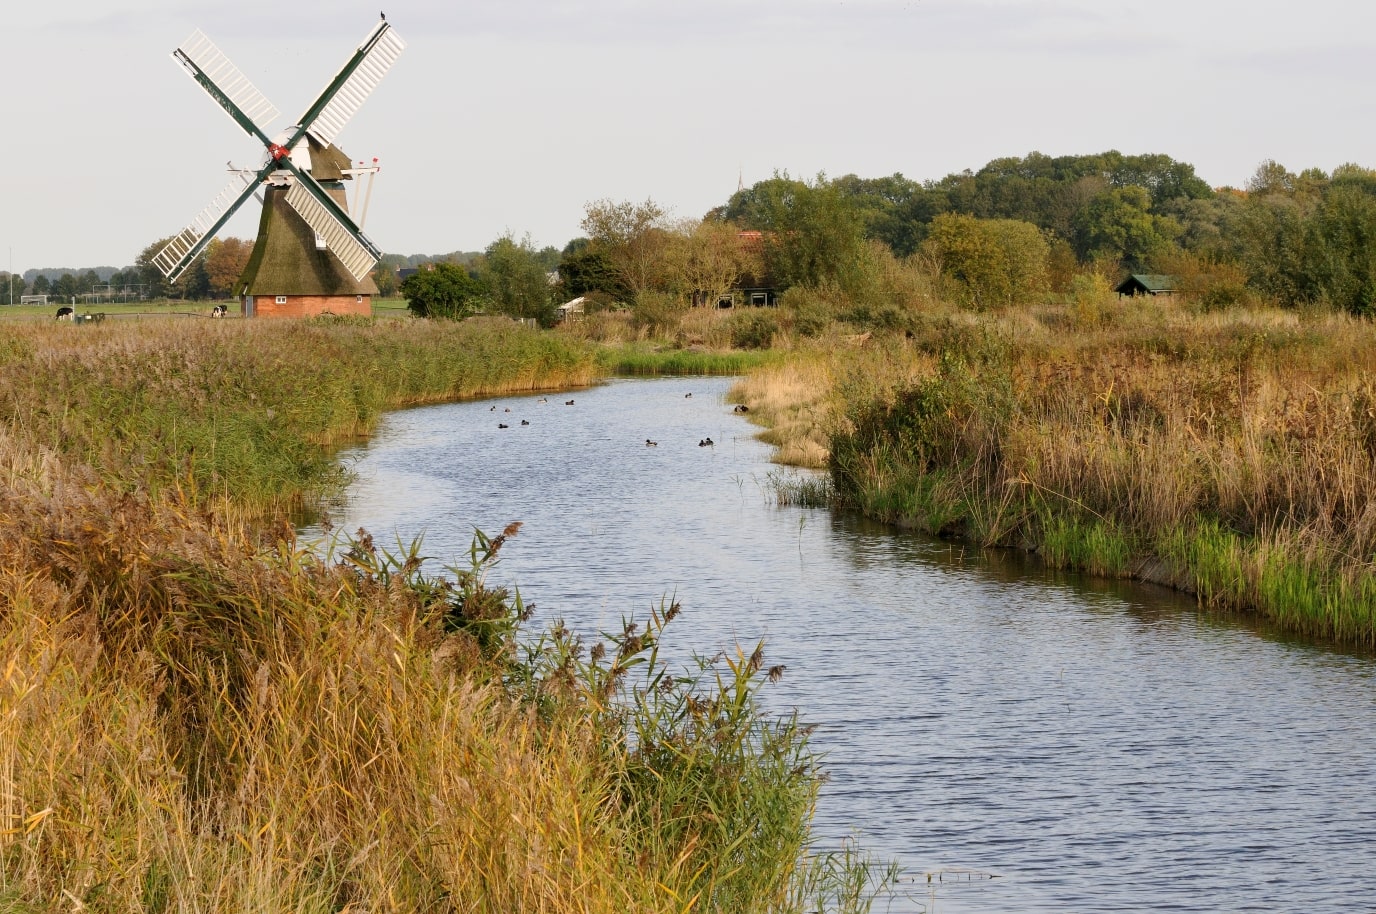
(649, 443)
(502, 425)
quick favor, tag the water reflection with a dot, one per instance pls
(1099, 745)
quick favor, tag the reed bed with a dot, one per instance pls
(1228, 453)
(247, 409)
(199, 713)
(629, 360)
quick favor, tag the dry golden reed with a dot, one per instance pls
(1233, 453)
(197, 713)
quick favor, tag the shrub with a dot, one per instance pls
(656, 313)
(753, 329)
(446, 291)
(1092, 299)
(807, 310)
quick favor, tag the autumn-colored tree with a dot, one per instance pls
(225, 259)
(632, 236)
(994, 261)
(707, 257)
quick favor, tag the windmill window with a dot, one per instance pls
(281, 299)
(360, 299)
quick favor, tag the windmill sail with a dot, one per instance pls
(352, 247)
(230, 88)
(296, 267)
(352, 85)
(183, 248)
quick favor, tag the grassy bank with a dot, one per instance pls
(198, 713)
(1227, 453)
(629, 360)
(245, 409)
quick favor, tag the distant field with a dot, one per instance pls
(384, 307)
(390, 307)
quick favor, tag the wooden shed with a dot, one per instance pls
(1149, 284)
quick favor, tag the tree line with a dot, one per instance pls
(1015, 229)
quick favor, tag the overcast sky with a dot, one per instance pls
(510, 116)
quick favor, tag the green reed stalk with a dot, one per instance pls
(197, 712)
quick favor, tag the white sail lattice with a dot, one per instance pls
(350, 96)
(201, 51)
(357, 259)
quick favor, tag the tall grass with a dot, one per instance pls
(198, 713)
(245, 408)
(1231, 452)
(637, 361)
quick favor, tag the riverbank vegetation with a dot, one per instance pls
(955, 353)
(198, 712)
(1226, 452)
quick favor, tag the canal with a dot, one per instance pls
(1092, 745)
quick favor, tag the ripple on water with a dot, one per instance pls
(1098, 745)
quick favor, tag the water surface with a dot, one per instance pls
(1098, 746)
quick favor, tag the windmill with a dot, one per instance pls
(309, 256)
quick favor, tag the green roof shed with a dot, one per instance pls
(1149, 284)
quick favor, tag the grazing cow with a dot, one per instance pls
(65, 314)
(219, 311)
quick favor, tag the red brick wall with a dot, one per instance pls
(311, 305)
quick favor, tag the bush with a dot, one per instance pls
(655, 312)
(1092, 299)
(753, 329)
(447, 291)
(807, 310)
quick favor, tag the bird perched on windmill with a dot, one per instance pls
(310, 256)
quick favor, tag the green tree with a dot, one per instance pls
(518, 280)
(706, 258)
(66, 287)
(445, 291)
(41, 285)
(995, 261)
(194, 283)
(632, 236)
(11, 287)
(1119, 224)
(1341, 246)
(813, 235)
(155, 284)
(1269, 240)
(385, 277)
(586, 267)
